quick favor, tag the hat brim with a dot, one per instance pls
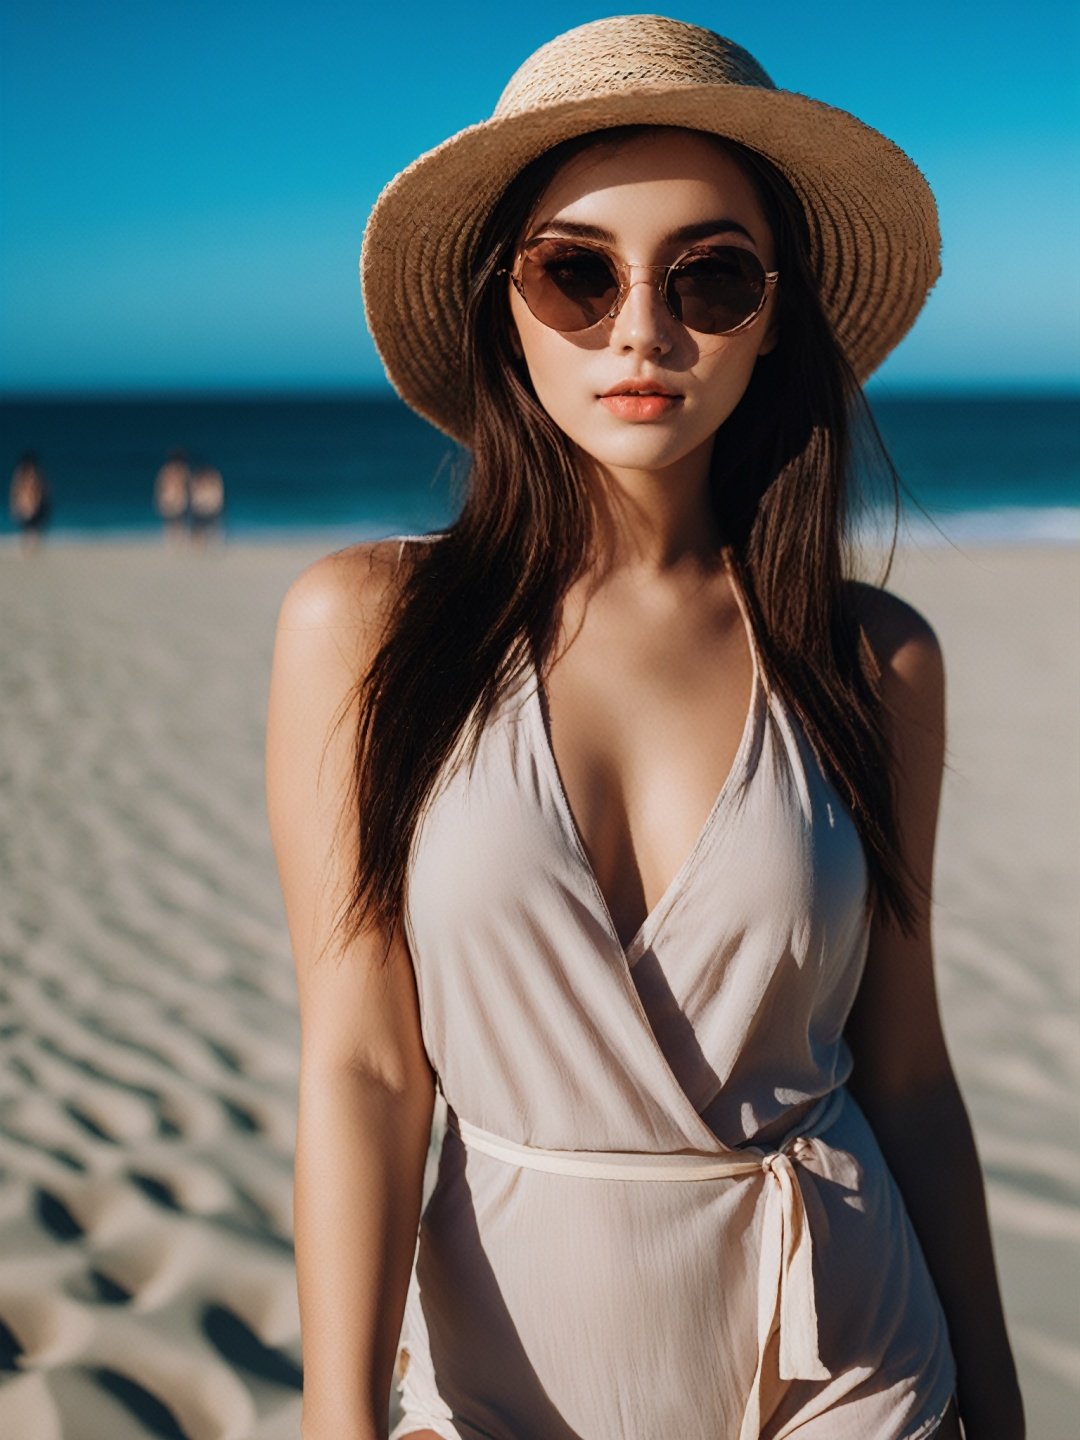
(874, 237)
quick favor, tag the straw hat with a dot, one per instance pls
(872, 218)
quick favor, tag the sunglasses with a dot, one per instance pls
(571, 286)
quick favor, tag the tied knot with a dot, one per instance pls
(778, 1164)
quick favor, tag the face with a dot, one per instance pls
(648, 201)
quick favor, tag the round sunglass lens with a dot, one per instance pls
(567, 287)
(713, 291)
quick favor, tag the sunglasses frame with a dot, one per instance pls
(622, 270)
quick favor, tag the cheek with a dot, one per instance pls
(723, 375)
(554, 365)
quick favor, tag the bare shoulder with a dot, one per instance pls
(906, 648)
(329, 628)
(345, 593)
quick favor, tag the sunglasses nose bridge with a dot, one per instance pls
(626, 284)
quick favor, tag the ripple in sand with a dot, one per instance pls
(56, 1217)
(20, 1156)
(173, 1382)
(242, 1348)
(90, 1125)
(242, 1117)
(10, 1349)
(49, 1328)
(157, 1418)
(97, 1288)
(190, 1188)
(106, 1206)
(153, 1268)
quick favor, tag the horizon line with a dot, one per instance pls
(972, 388)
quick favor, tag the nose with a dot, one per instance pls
(643, 322)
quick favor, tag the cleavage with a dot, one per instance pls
(643, 741)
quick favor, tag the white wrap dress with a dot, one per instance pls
(659, 1215)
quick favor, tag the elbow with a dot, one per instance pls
(392, 1079)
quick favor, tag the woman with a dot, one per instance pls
(610, 810)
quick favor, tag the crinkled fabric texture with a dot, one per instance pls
(556, 1307)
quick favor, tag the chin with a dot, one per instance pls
(640, 447)
(627, 445)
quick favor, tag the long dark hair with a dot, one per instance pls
(475, 604)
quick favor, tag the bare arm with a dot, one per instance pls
(903, 1078)
(366, 1088)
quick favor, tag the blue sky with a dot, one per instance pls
(183, 184)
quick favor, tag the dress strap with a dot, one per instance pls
(751, 633)
(403, 540)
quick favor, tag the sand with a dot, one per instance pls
(147, 1005)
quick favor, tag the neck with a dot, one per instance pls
(653, 521)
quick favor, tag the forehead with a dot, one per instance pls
(673, 176)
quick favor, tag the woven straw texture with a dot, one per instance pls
(872, 219)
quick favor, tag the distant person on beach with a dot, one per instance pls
(171, 496)
(609, 812)
(207, 504)
(29, 501)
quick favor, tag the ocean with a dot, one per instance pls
(977, 469)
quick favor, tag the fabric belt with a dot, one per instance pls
(786, 1274)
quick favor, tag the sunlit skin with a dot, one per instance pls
(639, 195)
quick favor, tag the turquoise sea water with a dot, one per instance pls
(986, 468)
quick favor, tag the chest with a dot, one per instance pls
(498, 867)
(643, 735)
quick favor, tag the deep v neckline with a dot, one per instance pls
(647, 931)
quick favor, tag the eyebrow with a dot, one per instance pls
(700, 230)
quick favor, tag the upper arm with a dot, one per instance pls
(355, 1012)
(895, 1027)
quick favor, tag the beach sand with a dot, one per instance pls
(147, 1001)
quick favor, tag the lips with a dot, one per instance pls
(640, 387)
(639, 400)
